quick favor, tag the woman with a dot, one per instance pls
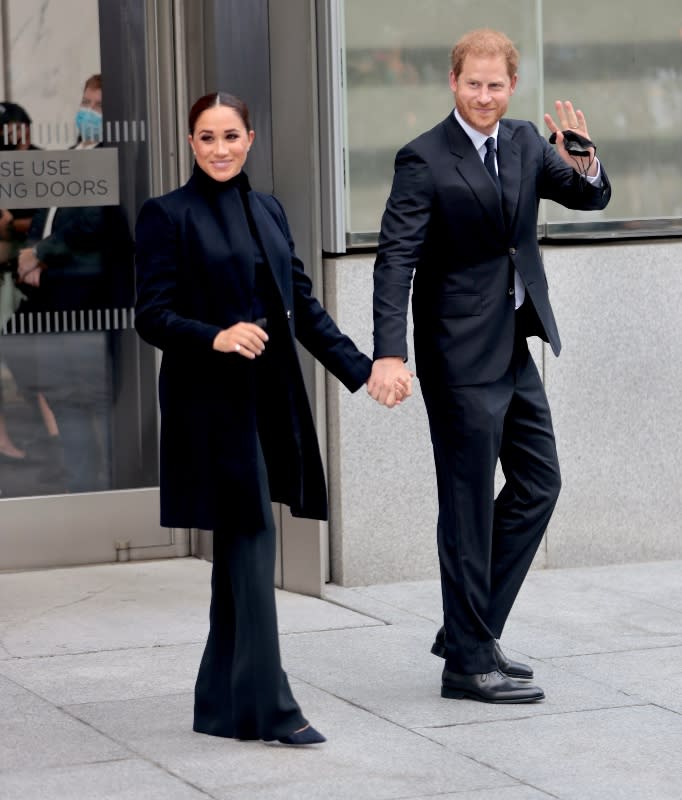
(222, 293)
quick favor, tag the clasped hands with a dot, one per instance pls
(390, 381)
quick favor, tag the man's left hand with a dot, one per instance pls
(574, 120)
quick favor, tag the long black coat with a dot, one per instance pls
(195, 277)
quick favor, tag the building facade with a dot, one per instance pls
(334, 89)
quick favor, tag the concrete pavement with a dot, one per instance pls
(97, 666)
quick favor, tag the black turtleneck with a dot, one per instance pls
(264, 285)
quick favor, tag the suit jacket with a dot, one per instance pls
(195, 277)
(89, 257)
(445, 225)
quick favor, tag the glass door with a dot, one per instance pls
(81, 113)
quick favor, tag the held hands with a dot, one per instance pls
(390, 382)
(570, 119)
(245, 339)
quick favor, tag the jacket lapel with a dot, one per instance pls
(470, 167)
(509, 168)
(270, 237)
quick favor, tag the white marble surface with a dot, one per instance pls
(53, 47)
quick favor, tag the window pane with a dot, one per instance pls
(77, 395)
(397, 64)
(622, 64)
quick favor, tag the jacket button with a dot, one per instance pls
(511, 290)
(512, 251)
(288, 314)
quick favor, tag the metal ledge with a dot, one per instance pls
(610, 230)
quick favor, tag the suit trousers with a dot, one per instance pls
(241, 690)
(485, 543)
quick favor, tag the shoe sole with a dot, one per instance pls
(463, 694)
(439, 650)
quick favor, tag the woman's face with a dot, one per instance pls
(220, 142)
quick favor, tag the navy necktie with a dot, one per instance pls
(489, 162)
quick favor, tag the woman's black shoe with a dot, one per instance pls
(307, 736)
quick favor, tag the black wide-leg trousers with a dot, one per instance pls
(241, 690)
(486, 544)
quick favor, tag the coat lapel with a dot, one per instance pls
(470, 167)
(270, 237)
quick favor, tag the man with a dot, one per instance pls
(462, 218)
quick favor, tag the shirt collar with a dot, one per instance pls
(478, 139)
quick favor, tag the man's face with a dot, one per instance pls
(482, 91)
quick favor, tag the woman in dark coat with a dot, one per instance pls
(223, 294)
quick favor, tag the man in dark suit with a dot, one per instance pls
(462, 219)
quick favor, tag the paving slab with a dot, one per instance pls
(421, 598)
(365, 758)
(656, 581)
(555, 611)
(566, 615)
(389, 672)
(651, 675)
(35, 734)
(138, 604)
(111, 675)
(517, 792)
(126, 779)
(612, 754)
(358, 599)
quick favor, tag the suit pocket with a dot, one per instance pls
(460, 305)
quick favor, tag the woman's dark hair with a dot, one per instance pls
(218, 99)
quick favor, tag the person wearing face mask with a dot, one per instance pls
(89, 115)
(222, 293)
(78, 262)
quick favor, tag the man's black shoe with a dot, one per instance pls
(491, 687)
(512, 669)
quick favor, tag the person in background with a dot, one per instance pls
(462, 220)
(15, 136)
(79, 262)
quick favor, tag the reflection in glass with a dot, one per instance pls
(397, 64)
(625, 71)
(77, 391)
